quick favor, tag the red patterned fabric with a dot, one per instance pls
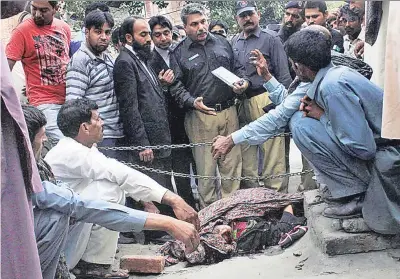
(254, 202)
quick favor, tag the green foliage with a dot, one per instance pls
(77, 8)
(225, 10)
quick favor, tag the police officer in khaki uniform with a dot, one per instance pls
(210, 103)
(268, 42)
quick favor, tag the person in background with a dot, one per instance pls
(81, 37)
(256, 98)
(352, 22)
(210, 103)
(182, 158)
(90, 75)
(316, 12)
(41, 43)
(292, 20)
(143, 107)
(116, 39)
(218, 27)
(182, 32)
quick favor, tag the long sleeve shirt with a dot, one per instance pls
(90, 76)
(353, 109)
(193, 63)
(109, 215)
(275, 121)
(91, 174)
(270, 45)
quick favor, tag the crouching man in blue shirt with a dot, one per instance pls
(338, 130)
(56, 204)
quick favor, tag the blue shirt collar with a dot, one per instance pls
(318, 78)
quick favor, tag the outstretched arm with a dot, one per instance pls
(112, 216)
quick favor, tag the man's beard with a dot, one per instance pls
(99, 49)
(143, 51)
(291, 28)
(353, 32)
(39, 21)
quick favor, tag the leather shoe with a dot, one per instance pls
(351, 209)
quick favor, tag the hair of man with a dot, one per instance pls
(115, 36)
(309, 47)
(127, 25)
(96, 6)
(160, 20)
(97, 19)
(216, 22)
(320, 5)
(190, 9)
(73, 113)
(35, 120)
(54, 4)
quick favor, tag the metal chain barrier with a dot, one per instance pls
(172, 146)
(191, 145)
(204, 177)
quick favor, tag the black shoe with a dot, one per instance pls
(351, 209)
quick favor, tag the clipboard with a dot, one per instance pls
(226, 76)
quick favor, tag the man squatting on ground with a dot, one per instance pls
(76, 161)
(338, 131)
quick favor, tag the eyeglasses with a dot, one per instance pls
(246, 14)
(295, 16)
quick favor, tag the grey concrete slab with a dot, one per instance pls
(328, 234)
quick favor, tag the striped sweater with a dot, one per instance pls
(91, 77)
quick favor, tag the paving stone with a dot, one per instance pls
(328, 234)
(356, 225)
(143, 264)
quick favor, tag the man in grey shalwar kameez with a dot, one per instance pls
(341, 136)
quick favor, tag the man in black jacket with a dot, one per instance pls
(161, 34)
(142, 103)
(210, 102)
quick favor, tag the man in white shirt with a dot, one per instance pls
(76, 161)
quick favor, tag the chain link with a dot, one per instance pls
(172, 146)
(205, 177)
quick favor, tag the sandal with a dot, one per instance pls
(85, 270)
(289, 238)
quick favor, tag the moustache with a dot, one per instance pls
(248, 23)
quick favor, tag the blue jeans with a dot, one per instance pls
(52, 131)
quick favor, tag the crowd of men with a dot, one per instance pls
(159, 90)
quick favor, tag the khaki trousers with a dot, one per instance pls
(203, 128)
(273, 150)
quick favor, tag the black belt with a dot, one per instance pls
(253, 93)
(221, 106)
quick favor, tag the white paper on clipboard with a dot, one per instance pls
(226, 76)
